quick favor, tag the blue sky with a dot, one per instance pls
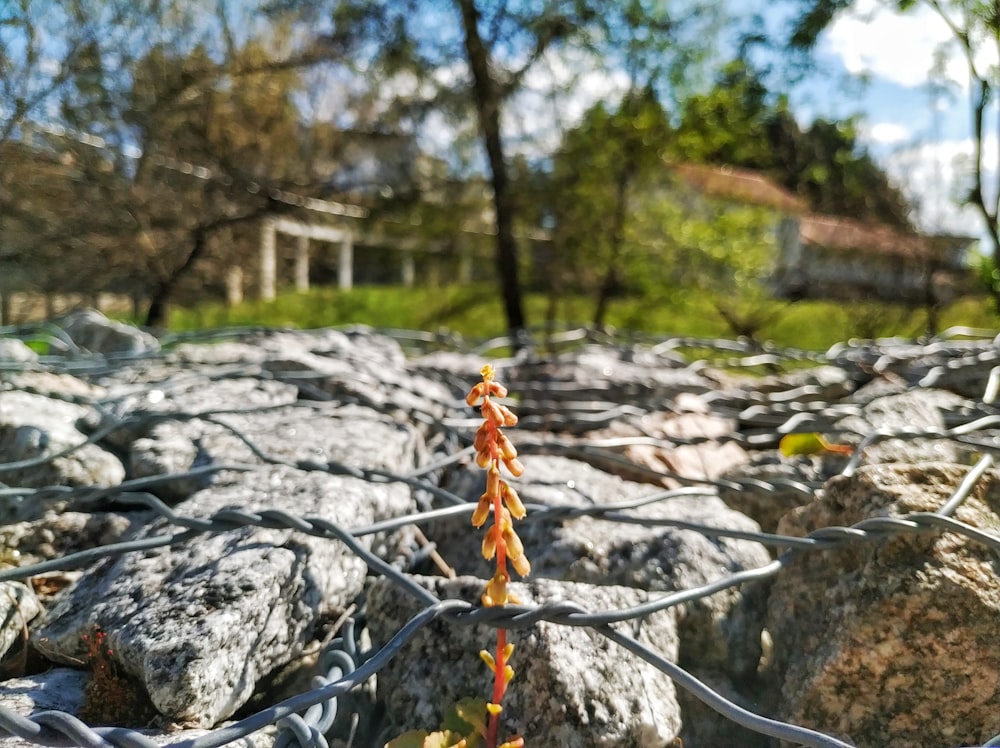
(921, 145)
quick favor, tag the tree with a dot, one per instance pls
(178, 119)
(975, 27)
(741, 123)
(419, 47)
(598, 167)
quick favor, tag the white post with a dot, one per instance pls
(268, 261)
(345, 263)
(409, 269)
(234, 285)
(302, 263)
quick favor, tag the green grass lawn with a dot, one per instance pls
(475, 312)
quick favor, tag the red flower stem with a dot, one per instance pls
(499, 680)
(499, 687)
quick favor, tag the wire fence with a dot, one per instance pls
(306, 718)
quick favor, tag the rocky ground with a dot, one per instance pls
(195, 532)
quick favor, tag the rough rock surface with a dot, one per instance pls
(200, 622)
(860, 641)
(33, 427)
(868, 639)
(62, 689)
(572, 686)
(93, 332)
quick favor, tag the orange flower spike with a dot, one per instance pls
(497, 389)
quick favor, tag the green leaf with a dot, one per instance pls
(467, 716)
(411, 739)
(810, 444)
(802, 444)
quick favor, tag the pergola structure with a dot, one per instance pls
(303, 232)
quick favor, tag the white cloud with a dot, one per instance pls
(557, 92)
(886, 133)
(934, 177)
(874, 39)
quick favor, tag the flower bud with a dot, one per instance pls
(474, 394)
(506, 417)
(514, 466)
(482, 511)
(488, 659)
(496, 591)
(489, 544)
(482, 439)
(494, 413)
(515, 548)
(507, 450)
(493, 482)
(513, 502)
(523, 568)
(483, 459)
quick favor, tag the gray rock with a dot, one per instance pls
(62, 689)
(92, 331)
(906, 412)
(669, 448)
(771, 485)
(59, 688)
(33, 426)
(135, 409)
(347, 436)
(572, 687)
(721, 631)
(820, 383)
(14, 351)
(892, 643)
(586, 384)
(216, 354)
(357, 372)
(18, 608)
(198, 623)
(59, 533)
(55, 385)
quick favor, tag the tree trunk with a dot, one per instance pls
(158, 312)
(612, 274)
(488, 97)
(165, 288)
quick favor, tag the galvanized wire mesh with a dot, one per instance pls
(306, 718)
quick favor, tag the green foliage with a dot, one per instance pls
(464, 725)
(473, 311)
(740, 123)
